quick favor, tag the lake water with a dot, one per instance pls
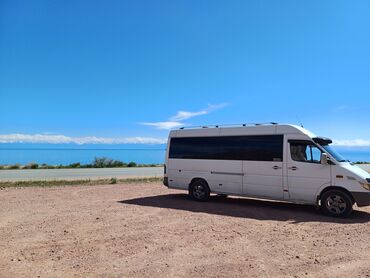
(84, 156)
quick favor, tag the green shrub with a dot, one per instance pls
(113, 181)
(117, 163)
(31, 165)
(100, 162)
(14, 166)
(131, 164)
(103, 162)
(74, 165)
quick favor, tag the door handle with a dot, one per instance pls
(293, 168)
(276, 167)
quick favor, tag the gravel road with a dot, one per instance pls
(147, 230)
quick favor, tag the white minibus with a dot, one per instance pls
(264, 161)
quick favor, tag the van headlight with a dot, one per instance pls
(366, 185)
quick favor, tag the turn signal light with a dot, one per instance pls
(365, 185)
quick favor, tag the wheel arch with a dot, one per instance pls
(328, 188)
(198, 179)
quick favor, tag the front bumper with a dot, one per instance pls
(362, 198)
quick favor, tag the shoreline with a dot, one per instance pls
(97, 163)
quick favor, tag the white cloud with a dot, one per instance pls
(164, 125)
(62, 139)
(176, 120)
(352, 143)
(184, 115)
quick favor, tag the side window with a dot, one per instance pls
(249, 148)
(316, 154)
(305, 152)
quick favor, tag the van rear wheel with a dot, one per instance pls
(199, 190)
(336, 203)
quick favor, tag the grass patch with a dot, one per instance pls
(51, 183)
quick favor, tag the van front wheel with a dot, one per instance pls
(336, 203)
(199, 190)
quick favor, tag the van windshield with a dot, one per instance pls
(334, 153)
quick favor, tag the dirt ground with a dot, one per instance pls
(147, 230)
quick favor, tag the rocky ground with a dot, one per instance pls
(146, 230)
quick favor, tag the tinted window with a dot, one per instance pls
(256, 148)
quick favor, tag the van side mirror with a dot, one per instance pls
(324, 160)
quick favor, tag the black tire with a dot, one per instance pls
(199, 190)
(336, 203)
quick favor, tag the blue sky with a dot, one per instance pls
(121, 70)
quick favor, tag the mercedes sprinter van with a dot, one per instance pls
(265, 161)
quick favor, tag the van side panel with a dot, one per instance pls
(263, 179)
(222, 176)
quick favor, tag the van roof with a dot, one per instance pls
(257, 129)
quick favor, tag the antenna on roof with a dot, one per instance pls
(299, 120)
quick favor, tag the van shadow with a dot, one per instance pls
(246, 208)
